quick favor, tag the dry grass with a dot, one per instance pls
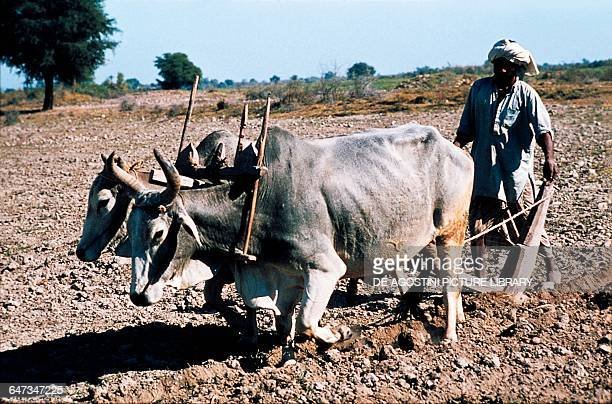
(414, 94)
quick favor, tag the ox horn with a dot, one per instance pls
(173, 179)
(126, 179)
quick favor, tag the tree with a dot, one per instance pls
(177, 70)
(360, 69)
(329, 75)
(63, 40)
(133, 84)
(274, 79)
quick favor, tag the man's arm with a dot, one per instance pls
(550, 165)
(466, 124)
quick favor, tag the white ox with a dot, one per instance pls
(324, 207)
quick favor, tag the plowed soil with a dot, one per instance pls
(65, 321)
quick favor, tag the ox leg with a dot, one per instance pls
(452, 296)
(214, 287)
(460, 314)
(285, 323)
(320, 280)
(252, 329)
(352, 289)
(450, 242)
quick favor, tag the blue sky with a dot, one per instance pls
(244, 39)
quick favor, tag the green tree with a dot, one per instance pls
(133, 84)
(63, 40)
(177, 70)
(274, 79)
(360, 69)
(329, 75)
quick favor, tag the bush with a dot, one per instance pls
(127, 104)
(107, 90)
(174, 110)
(330, 88)
(221, 105)
(257, 93)
(361, 86)
(295, 93)
(11, 117)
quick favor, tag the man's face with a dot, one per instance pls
(504, 72)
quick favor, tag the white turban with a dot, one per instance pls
(515, 53)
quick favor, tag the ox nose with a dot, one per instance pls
(80, 253)
(139, 299)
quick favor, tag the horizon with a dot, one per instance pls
(309, 37)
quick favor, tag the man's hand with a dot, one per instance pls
(550, 165)
(462, 139)
(550, 170)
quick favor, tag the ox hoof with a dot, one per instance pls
(288, 363)
(288, 356)
(344, 333)
(450, 338)
(327, 336)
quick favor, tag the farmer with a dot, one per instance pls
(504, 117)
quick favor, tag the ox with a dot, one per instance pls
(324, 207)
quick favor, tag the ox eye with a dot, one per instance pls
(102, 203)
(158, 236)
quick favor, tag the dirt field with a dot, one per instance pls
(70, 322)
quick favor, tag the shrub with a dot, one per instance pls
(257, 93)
(127, 104)
(295, 93)
(361, 86)
(11, 117)
(174, 110)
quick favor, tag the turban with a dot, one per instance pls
(515, 53)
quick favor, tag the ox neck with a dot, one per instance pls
(216, 216)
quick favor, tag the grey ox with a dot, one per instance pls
(323, 208)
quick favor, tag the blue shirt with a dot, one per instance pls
(504, 133)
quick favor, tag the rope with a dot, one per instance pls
(507, 220)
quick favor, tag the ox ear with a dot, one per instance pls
(216, 159)
(189, 225)
(192, 157)
(220, 152)
(104, 157)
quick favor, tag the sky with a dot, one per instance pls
(244, 39)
